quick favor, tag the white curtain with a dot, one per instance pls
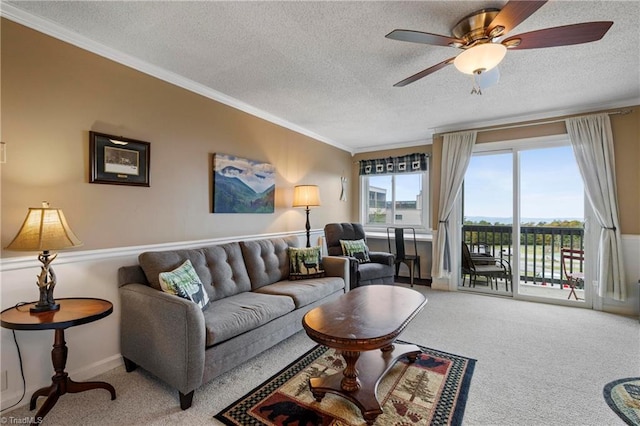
(592, 142)
(456, 154)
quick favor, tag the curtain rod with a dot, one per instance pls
(536, 123)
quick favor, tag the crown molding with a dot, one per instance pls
(428, 140)
(514, 120)
(54, 30)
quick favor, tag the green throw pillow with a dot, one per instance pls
(184, 282)
(305, 263)
(357, 249)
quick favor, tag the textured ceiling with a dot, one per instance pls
(325, 68)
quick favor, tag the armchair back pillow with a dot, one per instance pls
(357, 249)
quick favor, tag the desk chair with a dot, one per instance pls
(411, 260)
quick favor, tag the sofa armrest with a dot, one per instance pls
(382, 257)
(164, 334)
(335, 266)
(347, 266)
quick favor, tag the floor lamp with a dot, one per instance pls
(306, 196)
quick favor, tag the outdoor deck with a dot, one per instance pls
(540, 268)
(526, 289)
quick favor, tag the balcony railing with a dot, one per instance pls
(540, 261)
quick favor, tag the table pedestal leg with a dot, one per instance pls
(61, 383)
(373, 365)
(350, 382)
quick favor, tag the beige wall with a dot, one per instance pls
(53, 94)
(626, 135)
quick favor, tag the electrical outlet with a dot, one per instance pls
(4, 384)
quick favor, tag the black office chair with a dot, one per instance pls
(411, 260)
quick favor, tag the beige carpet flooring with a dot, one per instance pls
(537, 365)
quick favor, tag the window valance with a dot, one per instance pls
(405, 164)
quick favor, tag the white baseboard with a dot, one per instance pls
(81, 375)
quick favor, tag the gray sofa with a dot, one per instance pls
(253, 305)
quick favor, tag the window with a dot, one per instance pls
(395, 191)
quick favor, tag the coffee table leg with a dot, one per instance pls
(350, 382)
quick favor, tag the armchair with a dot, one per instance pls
(380, 268)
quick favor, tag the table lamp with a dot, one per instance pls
(43, 230)
(306, 196)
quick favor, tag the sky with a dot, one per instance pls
(406, 185)
(551, 186)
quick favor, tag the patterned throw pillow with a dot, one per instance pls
(305, 263)
(357, 249)
(184, 282)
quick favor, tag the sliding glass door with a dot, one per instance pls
(488, 220)
(523, 208)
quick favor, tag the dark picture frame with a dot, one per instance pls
(115, 160)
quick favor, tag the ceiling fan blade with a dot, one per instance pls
(512, 14)
(424, 73)
(560, 36)
(424, 38)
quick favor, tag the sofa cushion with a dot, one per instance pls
(357, 249)
(267, 261)
(305, 263)
(220, 268)
(184, 282)
(305, 292)
(243, 312)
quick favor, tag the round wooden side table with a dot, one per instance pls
(72, 312)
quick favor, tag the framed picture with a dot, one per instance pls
(242, 186)
(118, 161)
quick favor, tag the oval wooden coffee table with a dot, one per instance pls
(363, 324)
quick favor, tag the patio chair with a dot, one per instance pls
(574, 278)
(411, 260)
(481, 254)
(489, 267)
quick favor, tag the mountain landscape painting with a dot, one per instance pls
(242, 186)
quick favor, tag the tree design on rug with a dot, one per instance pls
(418, 387)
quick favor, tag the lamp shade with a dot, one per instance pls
(306, 196)
(44, 229)
(480, 58)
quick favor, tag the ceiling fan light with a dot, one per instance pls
(482, 57)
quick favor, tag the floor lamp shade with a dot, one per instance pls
(45, 229)
(306, 196)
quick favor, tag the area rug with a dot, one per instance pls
(431, 391)
(623, 396)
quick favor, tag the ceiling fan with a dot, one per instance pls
(478, 33)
